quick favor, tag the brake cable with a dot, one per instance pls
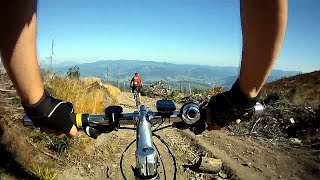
(121, 159)
(164, 169)
(170, 152)
(122, 155)
(162, 162)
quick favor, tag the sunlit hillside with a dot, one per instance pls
(303, 89)
(88, 95)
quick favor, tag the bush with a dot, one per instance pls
(73, 72)
(144, 91)
(90, 98)
(43, 172)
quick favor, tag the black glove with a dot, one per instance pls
(230, 105)
(50, 113)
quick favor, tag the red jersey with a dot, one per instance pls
(136, 81)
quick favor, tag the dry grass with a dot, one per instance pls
(302, 89)
(33, 153)
(91, 80)
(43, 172)
(113, 91)
(87, 95)
(215, 90)
(80, 147)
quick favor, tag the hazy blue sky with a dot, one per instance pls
(178, 31)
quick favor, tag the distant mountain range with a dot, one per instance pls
(175, 75)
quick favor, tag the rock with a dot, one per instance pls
(291, 120)
(259, 169)
(218, 178)
(248, 164)
(280, 177)
(295, 141)
(222, 175)
(207, 165)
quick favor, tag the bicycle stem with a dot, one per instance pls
(146, 155)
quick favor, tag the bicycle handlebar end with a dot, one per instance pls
(190, 113)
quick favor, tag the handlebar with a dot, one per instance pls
(82, 120)
(189, 114)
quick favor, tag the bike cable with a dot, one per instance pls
(164, 127)
(129, 145)
(121, 159)
(155, 129)
(170, 152)
(162, 141)
(164, 170)
(167, 146)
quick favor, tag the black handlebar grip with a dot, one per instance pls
(79, 120)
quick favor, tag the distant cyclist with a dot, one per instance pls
(136, 84)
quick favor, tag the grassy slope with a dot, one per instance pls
(303, 89)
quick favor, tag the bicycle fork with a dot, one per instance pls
(146, 156)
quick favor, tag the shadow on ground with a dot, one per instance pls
(8, 165)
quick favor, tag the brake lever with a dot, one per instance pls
(95, 131)
(92, 132)
(201, 125)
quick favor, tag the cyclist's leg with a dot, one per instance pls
(132, 90)
(263, 28)
(139, 95)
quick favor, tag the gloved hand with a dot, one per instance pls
(51, 113)
(229, 106)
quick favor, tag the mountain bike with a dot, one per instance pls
(136, 96)
(147, 154)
